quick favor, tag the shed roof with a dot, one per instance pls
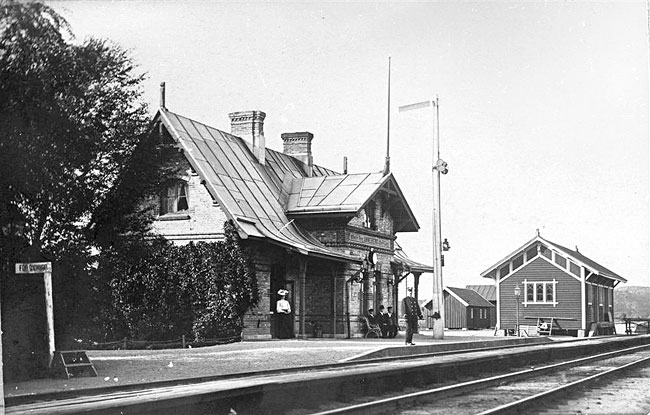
(489, 292)
(468, 297)
(248, 192)
(574, 256)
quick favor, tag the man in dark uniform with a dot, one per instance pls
(383, 320)
(412, 314)
(392, 323)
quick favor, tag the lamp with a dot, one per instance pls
(356, 277)
(517, 294)
(445, 245)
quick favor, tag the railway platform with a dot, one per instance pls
(118, 368)
(147, 381)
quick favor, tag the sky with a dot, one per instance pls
(544, 116)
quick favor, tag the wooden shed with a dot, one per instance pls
(465, 309)
(489, 292)
(542, 280)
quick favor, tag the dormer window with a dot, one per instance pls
(174, 198)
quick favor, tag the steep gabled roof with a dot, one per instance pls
(489, 292)
(347, 194)
(468, 297)
(248, 192)
(574, 256)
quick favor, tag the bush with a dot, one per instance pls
(160, 291)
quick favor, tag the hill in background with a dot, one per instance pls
(632, 301)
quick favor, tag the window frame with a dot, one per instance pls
(547, 290)
(171, 196)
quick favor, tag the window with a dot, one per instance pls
(575, 270)
(368, 216)
(174, 199)
(519, 261)
(560, 260)
(505, 270)
(542, 292)
(531, 253)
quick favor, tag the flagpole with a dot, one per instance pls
(387, 164)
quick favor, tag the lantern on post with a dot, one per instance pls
(517, 294)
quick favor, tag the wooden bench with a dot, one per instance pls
(372, 330)
(638, 321)
(527, 331)
(546, 325)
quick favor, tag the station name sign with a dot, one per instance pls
(33, 267)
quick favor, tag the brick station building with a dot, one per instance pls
(326, 237)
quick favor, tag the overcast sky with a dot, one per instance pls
(543, 106)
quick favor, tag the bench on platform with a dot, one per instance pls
(372, 330)
(639, 321)
(546, 325)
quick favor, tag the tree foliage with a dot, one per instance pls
(70, 116)
(78, 162)
(160, 291)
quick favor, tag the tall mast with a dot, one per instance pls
(387, 164)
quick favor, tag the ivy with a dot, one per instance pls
(160, 291)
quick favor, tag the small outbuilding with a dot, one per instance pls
(489, 292)
(464, 309)
(542, 282)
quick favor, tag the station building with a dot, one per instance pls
(544, 282)
(326, 237)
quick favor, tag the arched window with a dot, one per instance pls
(174, 198)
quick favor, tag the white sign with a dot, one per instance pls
(33, 267)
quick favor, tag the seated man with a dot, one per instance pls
(383, 320)
(371, 317)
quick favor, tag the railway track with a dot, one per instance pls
(300, 391)
(545, 389)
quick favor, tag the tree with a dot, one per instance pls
(70, 117)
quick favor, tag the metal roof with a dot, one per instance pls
(249, 193)
(469, 297)
(347, 194)
(575, 256)
(489, 292)
(401, 258)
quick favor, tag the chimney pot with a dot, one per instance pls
(162, 95)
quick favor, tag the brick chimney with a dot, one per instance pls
(298, 145)
(249, 125)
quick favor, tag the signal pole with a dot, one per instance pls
(438, 167)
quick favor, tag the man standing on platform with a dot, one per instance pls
(412, 314)
(392, 323)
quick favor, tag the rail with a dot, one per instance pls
(464, 389)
